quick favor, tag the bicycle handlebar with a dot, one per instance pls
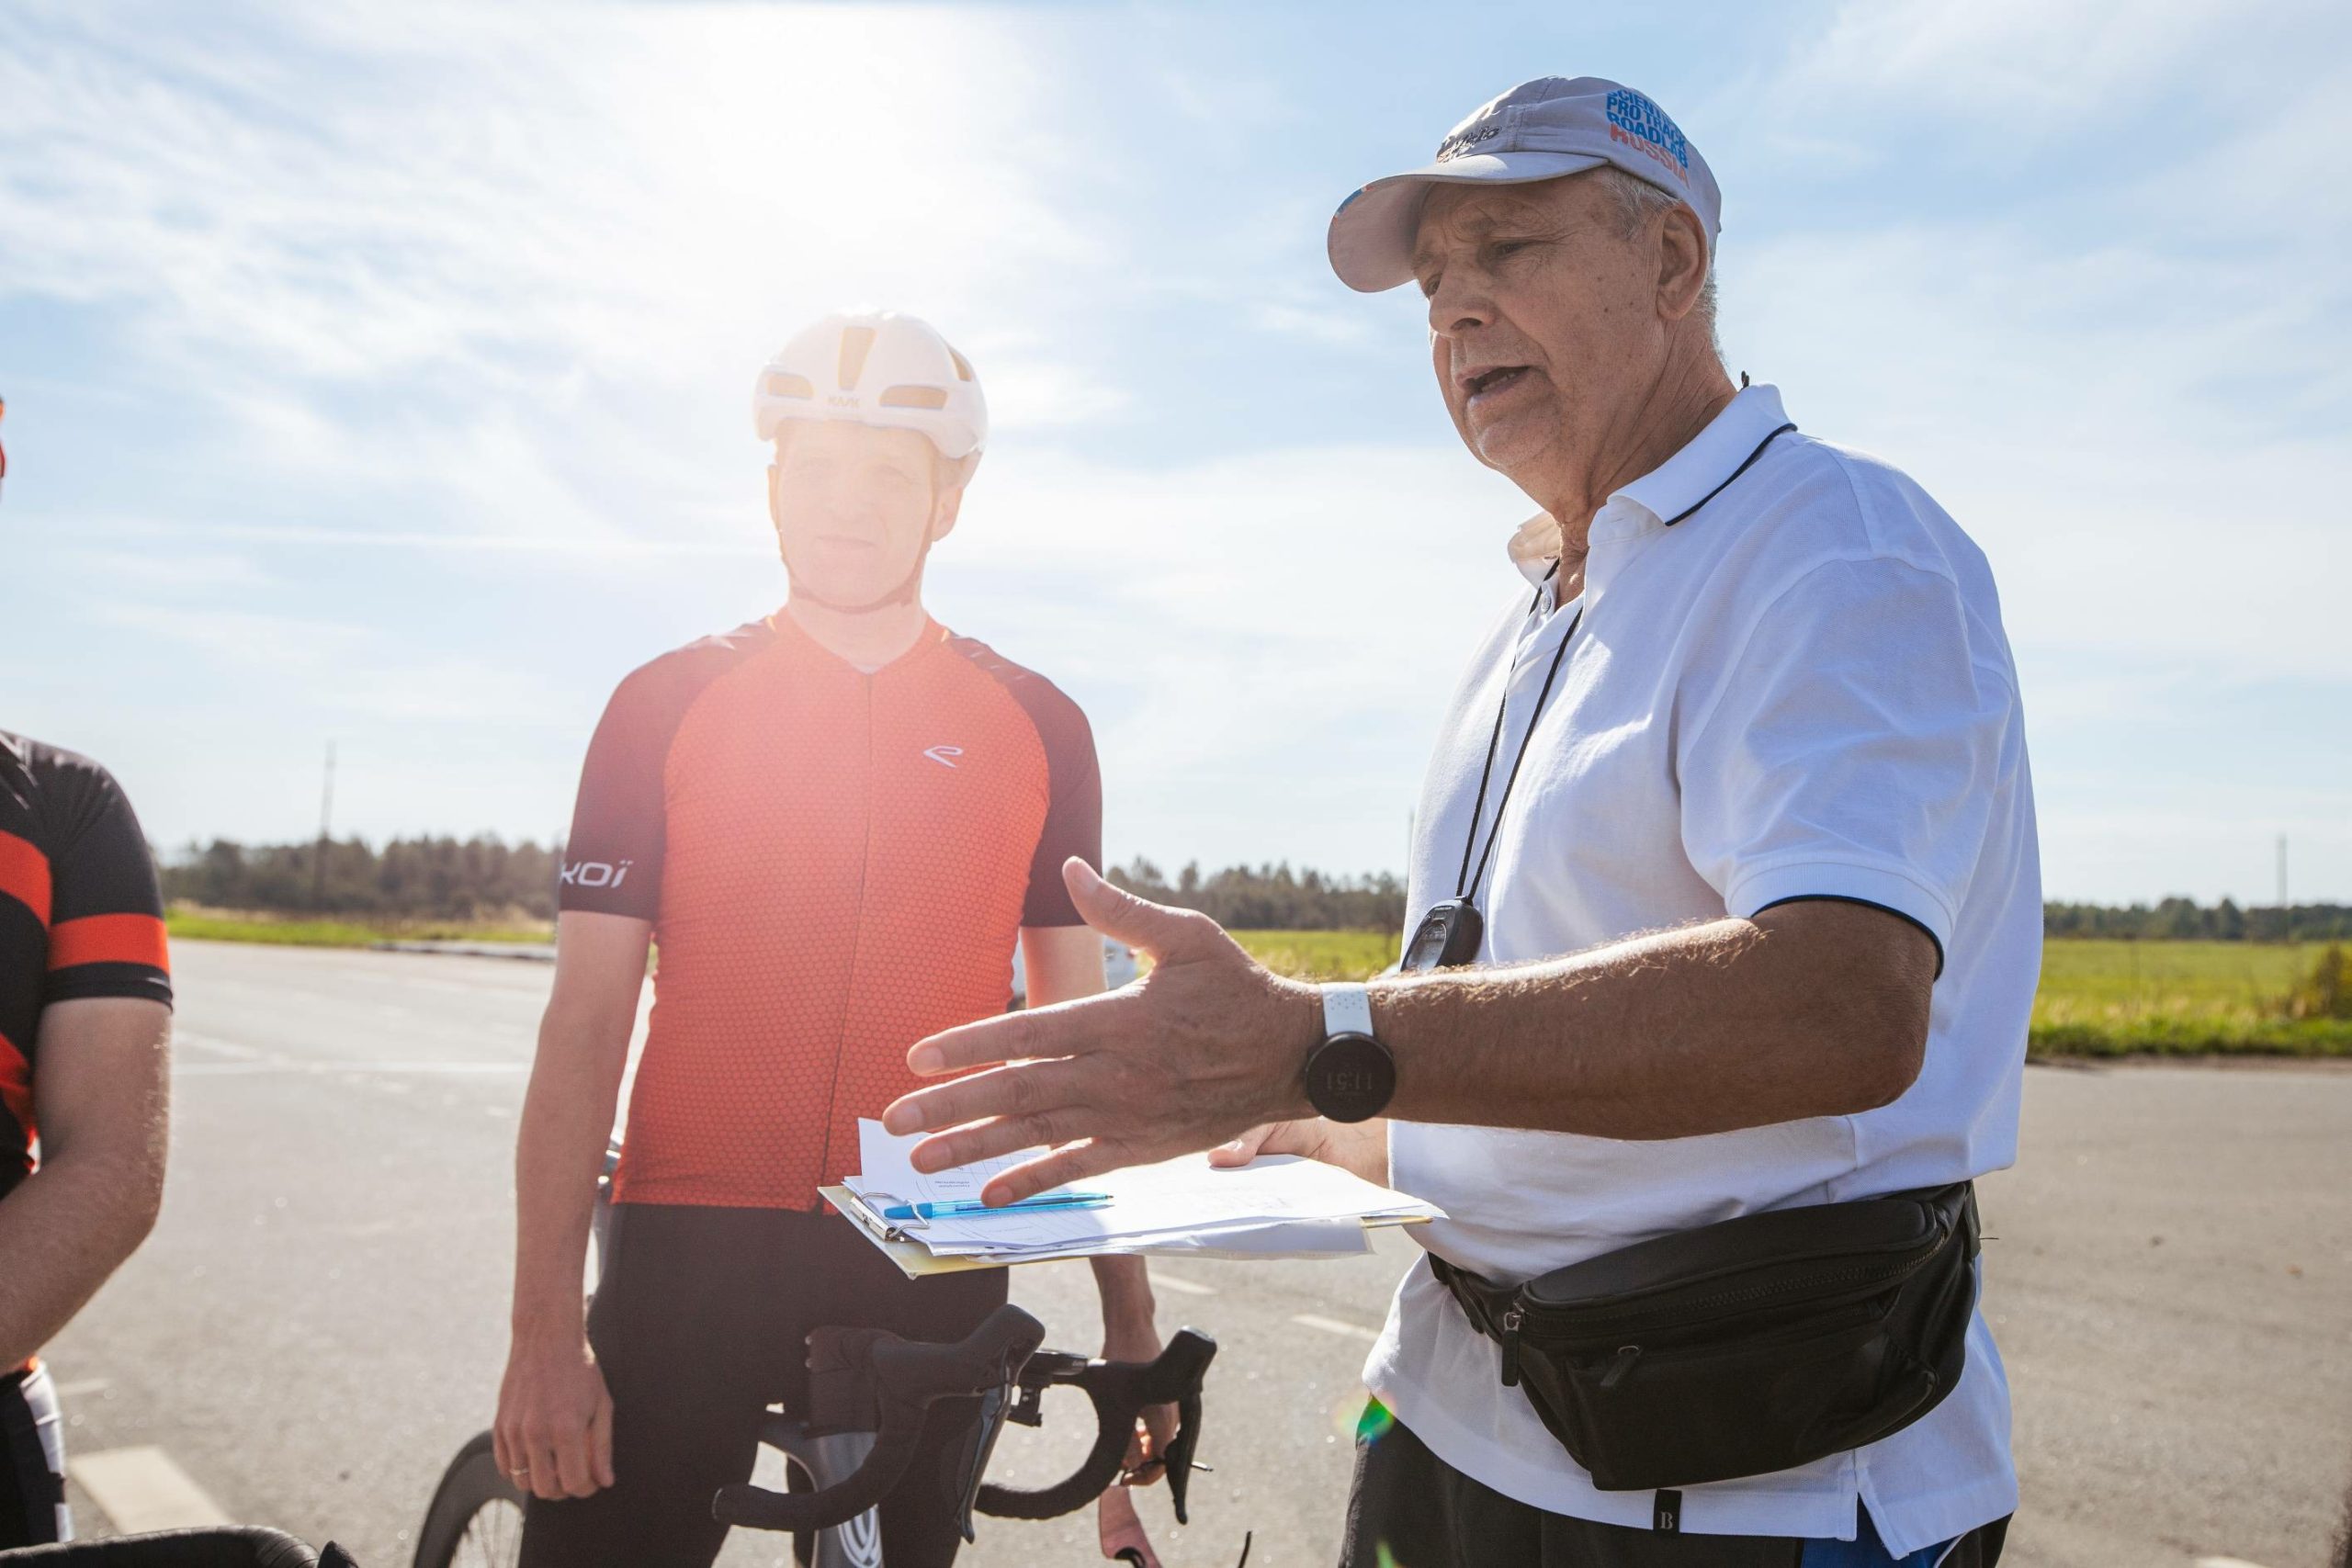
(907, 1377)
(869, 1380)
(1120, 1392)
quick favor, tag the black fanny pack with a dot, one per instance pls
(1751, 1345)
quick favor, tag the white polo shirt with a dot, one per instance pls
(1801, 689)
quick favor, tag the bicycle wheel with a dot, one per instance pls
(476, 1520)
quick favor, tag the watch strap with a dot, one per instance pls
(1347, 1009)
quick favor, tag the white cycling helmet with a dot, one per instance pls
(875, 367)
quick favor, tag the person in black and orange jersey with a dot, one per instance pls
(85, 997)
(837, 820)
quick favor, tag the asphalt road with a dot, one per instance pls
(318, 1320)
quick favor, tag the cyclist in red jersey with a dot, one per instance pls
(86, 998)
(836, 821)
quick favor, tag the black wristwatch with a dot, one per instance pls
(1350, 1074)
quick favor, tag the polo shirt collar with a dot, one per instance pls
(1710, 457)
(1668, 490)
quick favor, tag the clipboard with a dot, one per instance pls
(914, 1259)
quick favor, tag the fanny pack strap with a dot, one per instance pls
(1481, 1300)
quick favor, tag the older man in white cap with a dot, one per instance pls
(1725, 920)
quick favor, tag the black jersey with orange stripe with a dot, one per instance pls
(80, 915)
(837, 862)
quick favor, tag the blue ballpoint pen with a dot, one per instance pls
(965, 1208)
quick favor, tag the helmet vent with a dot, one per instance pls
(915, 397)
(857, 343)
(963, 366)
(784, 384)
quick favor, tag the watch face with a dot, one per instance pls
(1349, 1078)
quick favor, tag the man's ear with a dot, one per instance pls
(1681, 263)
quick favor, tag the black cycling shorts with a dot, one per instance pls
(32, 1461)
(701, 1321)
(1410, 1509)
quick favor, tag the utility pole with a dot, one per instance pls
(2286, 921)
(319, 855)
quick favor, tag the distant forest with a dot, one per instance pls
(2184, 919)
(486, 878)
(410, 879)
(1273, 898)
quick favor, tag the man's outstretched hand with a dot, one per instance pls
(1206, 1047)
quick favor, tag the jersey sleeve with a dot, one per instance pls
(1073, 812)
(611, 859)
(1854, 749)
(106, 930)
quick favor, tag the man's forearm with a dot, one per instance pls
(64, 1231)
(567, 1122)
(1729, 1024)
(1124, 1284)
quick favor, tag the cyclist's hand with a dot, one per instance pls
(1156, 1426)
(1361, 1148)
(554, 1433)
(1120, 1530)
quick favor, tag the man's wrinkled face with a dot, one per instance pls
(854, 507)
(1543, 319)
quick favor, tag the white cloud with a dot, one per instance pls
(2036, 68)
(465, 241)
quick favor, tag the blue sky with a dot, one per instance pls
(377, 374)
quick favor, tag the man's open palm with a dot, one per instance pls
(1205, 1046)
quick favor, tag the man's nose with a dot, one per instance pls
(1460, 305)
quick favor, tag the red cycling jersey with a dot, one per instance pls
(836, 864)
(80, 916)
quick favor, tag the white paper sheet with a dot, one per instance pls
(1276, 1205)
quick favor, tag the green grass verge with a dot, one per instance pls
(1322, 955)
(2119, 998)
(212, 926)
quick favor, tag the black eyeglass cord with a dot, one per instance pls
(1463, 880)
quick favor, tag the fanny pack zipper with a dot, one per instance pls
(1514, 1317)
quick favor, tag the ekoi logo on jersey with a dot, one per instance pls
(1635, 122)
(595, 874)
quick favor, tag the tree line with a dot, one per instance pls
(2185, 919)
(1273, 898)
(427, 879)
(486, 878)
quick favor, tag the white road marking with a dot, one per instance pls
(1333, 1325)
(229, 1048)
(1161, 1278)
(364, 1069)
(140, 1489)
(81, 1386)
(2225, 1562)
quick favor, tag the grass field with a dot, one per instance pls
(2106, 998)
(213, 925)
(1322, 955)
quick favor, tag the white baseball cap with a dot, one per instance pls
(1539, 130)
